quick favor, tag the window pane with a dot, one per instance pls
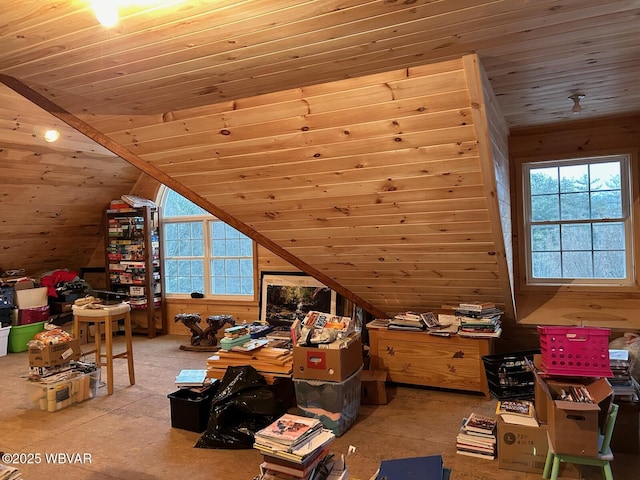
(609, 264)
(546, 264)
(545, 208)
(545, 237)
(577, 265)
(543, 180)
(217, 230)
(605, 176)
(246, 287)
(184, 248)
(246, 247)
(233, 285)
(231, 232)
(218, 286)
(217, 267)
(170, 231)
(608, 236)
(232, 267)
(574, 206)
(246, 268)
(233, 248)
(576, 237)
(171, 248)
(574, 178)
(170, 268)
(175, 205)
(606, 204)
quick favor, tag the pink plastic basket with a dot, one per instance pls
(575, 351)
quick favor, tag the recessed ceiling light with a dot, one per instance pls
(51, 135)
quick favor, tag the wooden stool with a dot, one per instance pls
(106, 315)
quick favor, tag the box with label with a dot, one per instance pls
(524, 448)
(54, 355)
(27, 316)
(573, 425)
(31, 297)
(333, 362)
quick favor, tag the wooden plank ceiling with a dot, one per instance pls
(338, 132)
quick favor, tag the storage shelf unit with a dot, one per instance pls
(134, 265)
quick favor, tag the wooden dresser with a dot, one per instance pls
(418, 358)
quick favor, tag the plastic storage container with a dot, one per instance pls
(190, 410)
(4, 340)
(509, 376)
(335, 404)
(575, 351)
(77, 387)
(20, 335)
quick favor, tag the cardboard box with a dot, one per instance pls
(331, 364)
(574, 426)
(55, 355)
(373, 387)
(524, 448)
(31, 297)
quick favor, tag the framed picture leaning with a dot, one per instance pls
(287, 296)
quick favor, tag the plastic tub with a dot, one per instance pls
(20, 335)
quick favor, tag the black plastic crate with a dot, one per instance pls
(190, 410)
(508, 375)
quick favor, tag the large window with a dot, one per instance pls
(201, 253)
(577, 221)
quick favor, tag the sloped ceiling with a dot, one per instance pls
(235, 105)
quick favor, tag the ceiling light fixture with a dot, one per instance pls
(51, 135)
(107, 11)
(576, 97)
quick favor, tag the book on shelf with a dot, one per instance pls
(480, 424)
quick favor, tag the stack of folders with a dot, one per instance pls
(477, 437)
(294, 447)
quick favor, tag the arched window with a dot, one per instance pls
(201, 253)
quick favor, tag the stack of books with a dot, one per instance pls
(625, 388)
(479, 320)
(516, 411)
(188, 378)
(293, 447)
(477, 437)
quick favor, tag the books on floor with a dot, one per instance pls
(191, 378)
(288, 431)
(519, 412)
(425, 468)
(294, 447)
(477, 437)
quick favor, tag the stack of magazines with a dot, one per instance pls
(477, 437)
(294, 446)
(407, 321)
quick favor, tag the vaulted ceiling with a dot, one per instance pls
(219, 99)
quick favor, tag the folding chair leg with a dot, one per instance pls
(606, 471)
(556, 467)
(547, 464)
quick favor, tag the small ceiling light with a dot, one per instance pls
(576, 97)
(106, 12)
(51, 135)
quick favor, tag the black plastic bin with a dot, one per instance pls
(508, 375)
(190, 409)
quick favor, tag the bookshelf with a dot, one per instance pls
(418, 358)
(134, 265)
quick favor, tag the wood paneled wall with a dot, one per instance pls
(613, 307)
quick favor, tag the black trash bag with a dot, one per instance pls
(242, 405)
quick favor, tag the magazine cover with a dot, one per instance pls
(289, 428)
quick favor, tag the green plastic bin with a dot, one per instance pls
(20, 335)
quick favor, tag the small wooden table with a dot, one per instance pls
(418, 358)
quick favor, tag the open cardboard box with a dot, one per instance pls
(573, 426)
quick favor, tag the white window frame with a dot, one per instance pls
(626, 219)
(206, 221)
